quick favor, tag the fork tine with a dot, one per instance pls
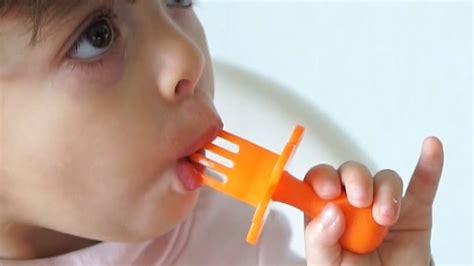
(221, 151)
(231, 137)
(200, 159)
(242, 144)
(214, 183)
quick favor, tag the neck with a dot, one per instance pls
(20, 241)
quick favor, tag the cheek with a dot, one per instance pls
(114, 146)
(89, 164)
(94, 141)
(84, 78)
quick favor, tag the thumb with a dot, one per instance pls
(322, 237)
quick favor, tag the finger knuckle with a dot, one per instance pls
(354, 166)
(387, 172)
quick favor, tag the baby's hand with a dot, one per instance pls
(408, 239)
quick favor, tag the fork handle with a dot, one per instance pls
(362, 233)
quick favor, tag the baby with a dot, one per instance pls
(101, 104)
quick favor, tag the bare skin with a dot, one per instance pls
(90, 138)
(81, 135)
(409, 217)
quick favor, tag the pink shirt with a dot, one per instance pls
(214, 234)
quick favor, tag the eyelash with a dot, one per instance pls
(90, 65)
(192, 3)
(109, 15)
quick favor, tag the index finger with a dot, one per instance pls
(425, 179)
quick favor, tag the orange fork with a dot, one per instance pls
(257, 176)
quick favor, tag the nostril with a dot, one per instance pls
(184, 88)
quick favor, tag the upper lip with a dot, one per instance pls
(209, 135)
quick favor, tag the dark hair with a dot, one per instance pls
(35, 12)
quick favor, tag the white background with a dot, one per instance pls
(387, 74)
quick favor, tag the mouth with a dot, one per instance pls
(209, 135)
(186, 171)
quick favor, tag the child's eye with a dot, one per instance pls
(97, 39)
(179, 3)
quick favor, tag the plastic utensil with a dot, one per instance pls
(257, 176)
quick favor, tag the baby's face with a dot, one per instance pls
(95, 117)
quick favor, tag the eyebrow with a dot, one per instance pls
(42, 13)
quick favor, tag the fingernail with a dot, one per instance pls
(326, 191)
(388, 211)
(328, 216)
(359, 196)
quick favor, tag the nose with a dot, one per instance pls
(179, 65)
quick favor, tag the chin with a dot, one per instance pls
(163, 218)
(183, 206)
(158, 208)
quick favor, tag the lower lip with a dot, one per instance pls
(188, 175)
